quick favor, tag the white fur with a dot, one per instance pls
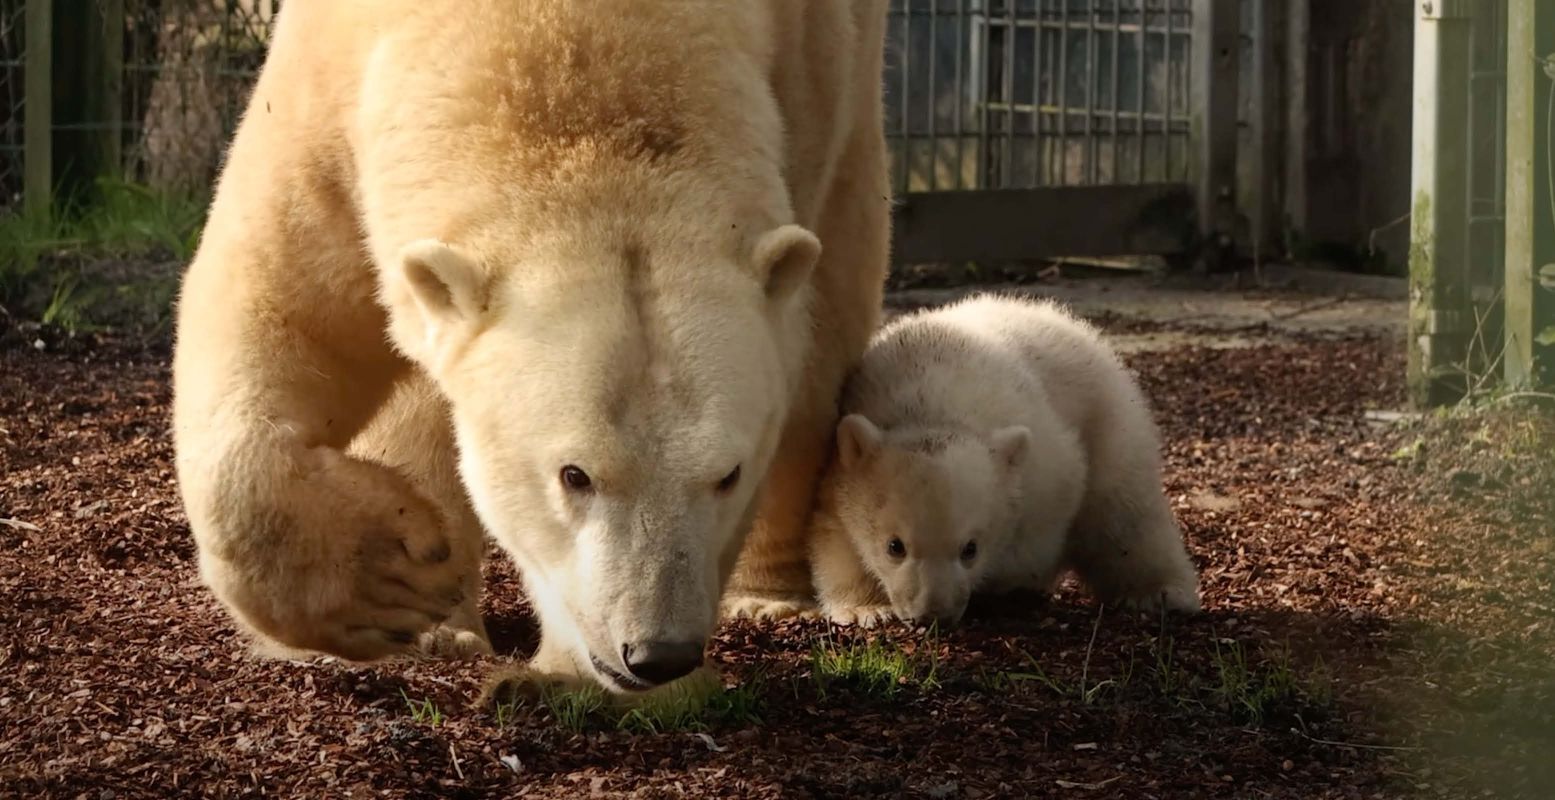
(1005, 422)
(644, 239)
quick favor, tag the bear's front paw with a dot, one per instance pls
(766, 607)
(862, 616)
(358, 566)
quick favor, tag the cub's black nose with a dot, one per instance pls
(661, 662)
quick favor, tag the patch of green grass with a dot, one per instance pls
(79, 267)
(874, 667)
(129, 219)
(697, 711)
(574, 709)
(1087, 691)
(673, 709)
(1257, 692)
(423, 711)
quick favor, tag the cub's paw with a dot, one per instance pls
(1178, 598)
(453, 642)
(767, 607)
(862, 616)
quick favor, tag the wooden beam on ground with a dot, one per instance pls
(1050, 222)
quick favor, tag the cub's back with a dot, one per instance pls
(938, 368)
(992, 360)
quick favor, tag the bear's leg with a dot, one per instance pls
(772, 578)
(412, 434)
(280, 361)
(1125, 543)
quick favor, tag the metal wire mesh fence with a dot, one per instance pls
(990, 94)
(154, 89)
(188, 68)
(12, 78)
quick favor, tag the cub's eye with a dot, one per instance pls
(576, 479)
(969, 552)
(729, 481)
(896, 549)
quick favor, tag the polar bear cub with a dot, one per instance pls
(987, 446)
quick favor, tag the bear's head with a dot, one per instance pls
(617, 405)
(926, 509)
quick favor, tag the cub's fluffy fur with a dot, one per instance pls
(988, 445)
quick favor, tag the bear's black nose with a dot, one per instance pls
(661, 662)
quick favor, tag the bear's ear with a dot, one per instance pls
(857, 439)
(447, 284)
(1010, 445)
(784, 257)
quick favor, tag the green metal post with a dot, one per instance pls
(38, 108)
(1530, 194)
(1440, 316)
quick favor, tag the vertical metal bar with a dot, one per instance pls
(112, 79)
(1090, 93)
(1063, 92)
(38, 108)
(960, 89)
(984, 26)
(1139, 121)
(1530, 206)
(1470, 166)
(1038, 155)
(1438, 297)
(1117, 36)
(933, 94)
(1298, 23)
(905, 61)
(1007, 159)
(1216, 32)
(1170, 66)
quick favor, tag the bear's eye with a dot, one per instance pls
(576, 479)
(969, 552)
(896, 549)
(729, 480)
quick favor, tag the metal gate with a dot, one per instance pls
(1023, 129)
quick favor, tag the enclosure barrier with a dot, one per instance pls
(1481, 232)
(1019, 129)
(1024, 129)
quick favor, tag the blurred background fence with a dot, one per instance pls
(142, 90)
(1379, 135)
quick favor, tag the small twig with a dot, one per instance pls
(19, 525)
(1332, 743)
(452, 754)
(1095, 629)
(1500, 399)
(1063, 784)
(1310, 307)
(1371, 238)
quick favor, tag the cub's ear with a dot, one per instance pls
(1010, 445)
(857, 440)
(784, 257)
(447, 284)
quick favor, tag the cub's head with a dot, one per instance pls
(926, 509)
(617, 406)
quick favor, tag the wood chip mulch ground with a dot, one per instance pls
(1380, 623)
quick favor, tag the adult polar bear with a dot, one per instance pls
(588, 225)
